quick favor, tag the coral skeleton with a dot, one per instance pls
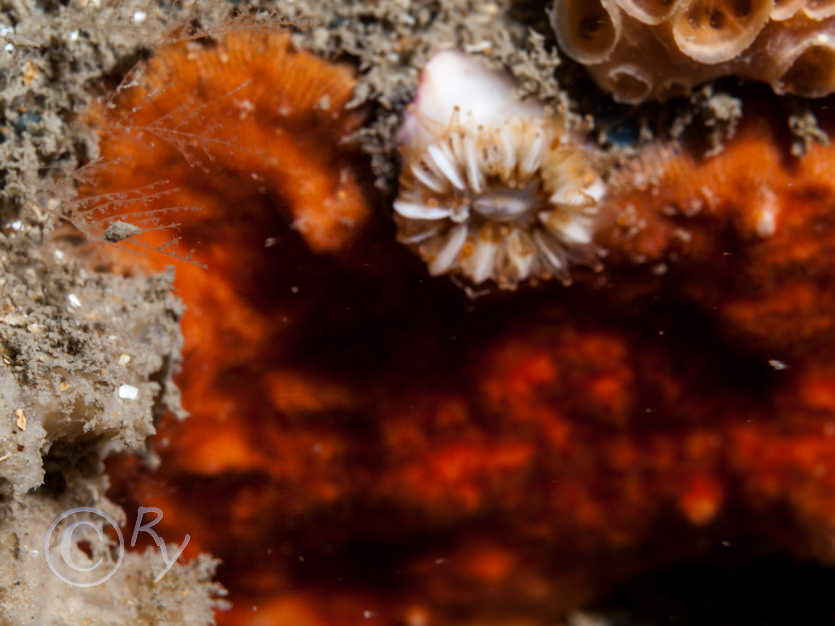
(492, 188)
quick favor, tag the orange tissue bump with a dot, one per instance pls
(243, 120)
(753, 217)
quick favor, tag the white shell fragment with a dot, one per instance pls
(128, 392)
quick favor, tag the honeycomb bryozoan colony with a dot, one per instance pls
(641, 49)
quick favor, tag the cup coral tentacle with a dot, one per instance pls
(492, 188)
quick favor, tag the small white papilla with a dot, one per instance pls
(492, 188)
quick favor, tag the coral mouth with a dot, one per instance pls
(505, 204)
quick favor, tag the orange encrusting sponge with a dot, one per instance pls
(246, 116)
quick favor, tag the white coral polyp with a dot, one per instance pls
(492, 188)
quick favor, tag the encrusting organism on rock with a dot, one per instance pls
(514, 456)
(640, 49)
(691, 214)
(492, 188)
(246, 119)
